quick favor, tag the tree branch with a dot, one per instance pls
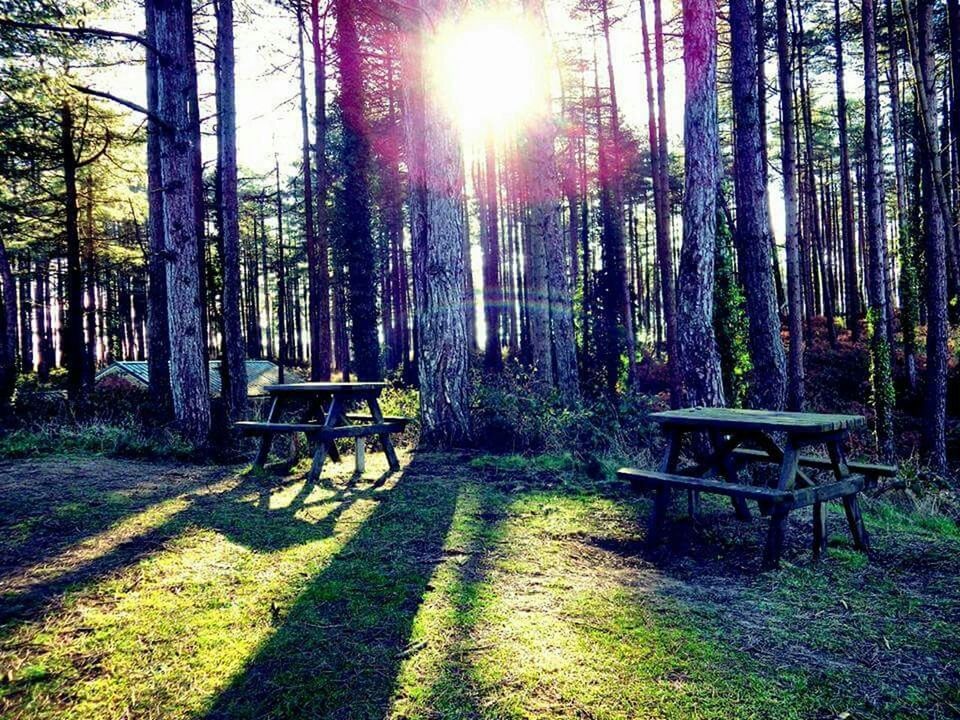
(78, 31)
(121, 101)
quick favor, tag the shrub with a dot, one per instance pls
(513, 413)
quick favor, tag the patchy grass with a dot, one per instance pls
(94, 438)
(462, 587)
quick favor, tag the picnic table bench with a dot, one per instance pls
(721, 457)
(325, 418)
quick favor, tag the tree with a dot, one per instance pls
(233, 367)
(544, 197)
(936, 219)
(490, 237)
(438, 268)
(158, 333)
(355, 158)
(173, 30)
(877, 315)
(754, 244)
(795, 390)
(697, 346)
(661, 193)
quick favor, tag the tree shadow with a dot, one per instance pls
(239, 508)
(337, 651)
(45, 512)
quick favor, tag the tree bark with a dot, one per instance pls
(158, 335)
(795, 383)
(661, 201)
(233, 368)
(188, 374)
(934, 447)
(754, 243)
(880, 341)
(438, 267)
(492, 290)
(359, 249)
(8, 333)
(848, 238)
(700, 359)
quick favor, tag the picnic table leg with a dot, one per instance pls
(851, 506)
(360, 456)
(385, 440)
(266, 440)
(661, 498)
(819, 530)
(320, 454)
(725, 462)
(777, 533)
(776, 536)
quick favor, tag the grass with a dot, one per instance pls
(111, 440)
(463, 587)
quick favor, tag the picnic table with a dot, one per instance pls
(719, 436)
(324, 417)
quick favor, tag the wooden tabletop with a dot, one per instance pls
(764, 420)
(325, 387)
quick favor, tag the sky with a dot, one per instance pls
(268, 122)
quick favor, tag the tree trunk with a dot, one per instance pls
(700, 360)
(8, 332)
(661, 201)
(754, 243)
(492, 290)
(795, 389)
(545, 202)
(75, 350)
(848, 238)
(188, 375)
(438, 268)
(877, 315)
(158, 335)
(935, 239)
(355, 157)
(233, 367)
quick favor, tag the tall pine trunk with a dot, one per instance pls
(795, 384)
(438, 268)
(848, 237)
(175, 99)
(158, 335)
(233, 368)
(359, 249)
(877, 315)
(699, 357)
(754, 243)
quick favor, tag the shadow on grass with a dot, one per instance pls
(45, 511)
(337, 651)
(240, 510)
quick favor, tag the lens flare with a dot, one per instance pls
(489, 71)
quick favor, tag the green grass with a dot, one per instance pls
(99, 439)
(464, 587)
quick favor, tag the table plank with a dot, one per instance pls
(325, 387)
(763, 420)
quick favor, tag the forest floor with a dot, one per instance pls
(462, 587)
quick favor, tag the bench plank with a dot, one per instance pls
(862, 468)
(318, 430)
(649, 478)
(360, 417)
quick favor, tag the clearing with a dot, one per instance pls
(462, 587)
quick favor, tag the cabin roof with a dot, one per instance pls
(260, 373)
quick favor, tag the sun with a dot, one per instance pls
(490, 71)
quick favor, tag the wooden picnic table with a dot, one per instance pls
(324, 418)
(719, 452)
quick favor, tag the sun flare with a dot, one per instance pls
(490, 71)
